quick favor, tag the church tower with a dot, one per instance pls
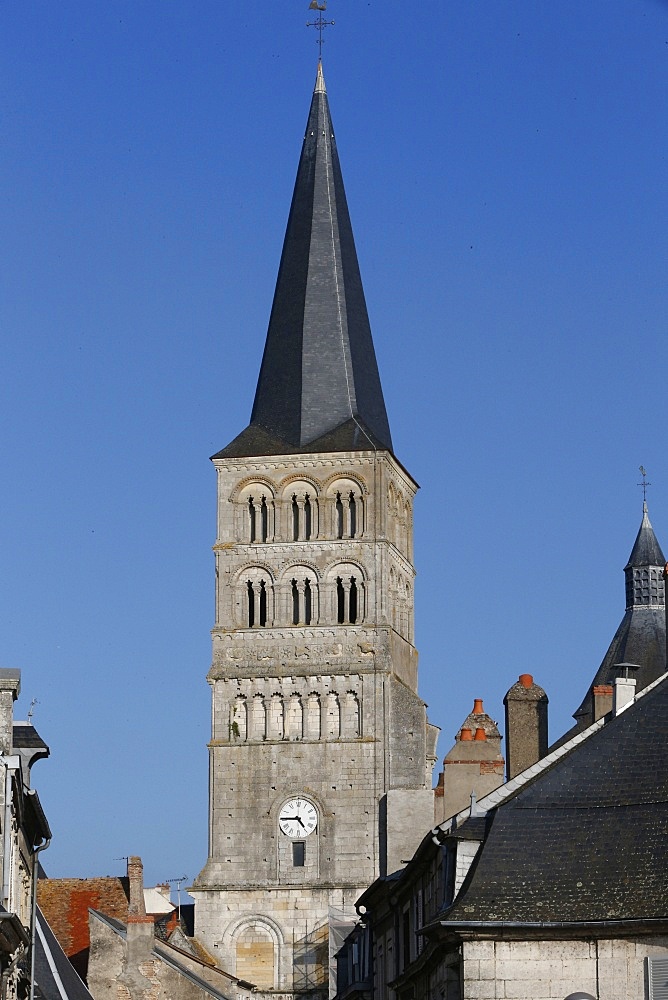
(321, 753)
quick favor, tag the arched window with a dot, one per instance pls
(307, 518)
(275, 722)
(347, 612)
(301, 594)
(352, 601)
(264, 519)
(350, 715)
(256, 599)
(347, 594)
(239, 720)
(346, 508)
(332, 716)
(254, 516)
(352, 508)
(301, 504)
(258, 719)
(294, 722)
(313, 721)
(257, 604)
(256, 954)
(295, 519)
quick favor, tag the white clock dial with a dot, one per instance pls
(298, 818)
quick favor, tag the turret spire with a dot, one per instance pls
(319, 387)
(641, 636)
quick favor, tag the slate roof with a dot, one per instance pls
(641, 636)
(25, 735)
(585, 840)
(646, 549)
(319, 387)
(51, 962)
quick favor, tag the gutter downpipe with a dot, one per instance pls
(33, 914)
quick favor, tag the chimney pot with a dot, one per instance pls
(477, 706)
(480, 734)
(526, 680)
(466, 734)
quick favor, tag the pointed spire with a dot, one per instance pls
(319, 387)
(320, 87)
(646, 549)
(641, 636)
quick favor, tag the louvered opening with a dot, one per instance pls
(658, 978)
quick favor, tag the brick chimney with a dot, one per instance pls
(526, 725)
(140, 937)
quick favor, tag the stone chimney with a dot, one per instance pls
(526, 725)
(625, 687)
(140, 937)
(10, 688)
(474, 764)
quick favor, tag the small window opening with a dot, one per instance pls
(307, 518)
(251, 513)
(295, 519)
(353, 516)
(307, 603)
(353, 601)
(340, 601)
(298, 854)
(251, 605)
(263, 605)
(295, 603)
(339, 516)
(264, 519)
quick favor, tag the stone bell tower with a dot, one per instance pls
(321, 753)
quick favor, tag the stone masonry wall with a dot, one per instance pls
(552, 970)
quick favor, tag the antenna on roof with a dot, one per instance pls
(645, 483)
(31, 710)
(179, 880)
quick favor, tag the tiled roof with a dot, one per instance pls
(585, 840)
(65, 903)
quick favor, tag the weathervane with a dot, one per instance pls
(644, 484)
(320, 24)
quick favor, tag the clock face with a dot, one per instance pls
(298, 818)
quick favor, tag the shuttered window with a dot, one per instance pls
(658, 978)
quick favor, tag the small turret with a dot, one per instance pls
(641, 636)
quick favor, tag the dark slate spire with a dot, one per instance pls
(646, 550)
(641, 636)
(319, 387)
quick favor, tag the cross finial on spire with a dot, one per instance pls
(644, 484)
(321, 23)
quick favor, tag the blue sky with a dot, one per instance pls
(505, 165)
